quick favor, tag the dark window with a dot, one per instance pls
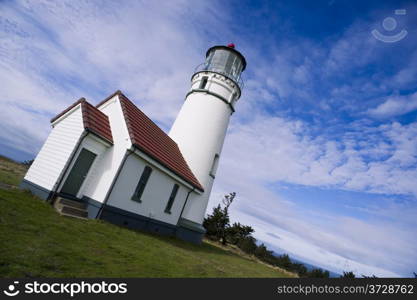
(142, 183)
(214, 166)
(203, 82)
(171, 198)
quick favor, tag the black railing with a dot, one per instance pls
(220, 69)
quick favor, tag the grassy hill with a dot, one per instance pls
(35, 241)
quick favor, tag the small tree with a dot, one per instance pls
(262, 252)
(349, 274)
(372, 276)
(318, 273)
(237, 231)
(284, 261)
(300, 269)
(217, 223)
(248, 245)
(227, 201)
(27, 162)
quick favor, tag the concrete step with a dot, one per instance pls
(71, 208)
(72, 203)
(73, 212)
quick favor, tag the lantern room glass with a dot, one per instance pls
(224, 62)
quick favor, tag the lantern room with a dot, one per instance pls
(225, 60)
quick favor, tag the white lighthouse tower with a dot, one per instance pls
(201, 125)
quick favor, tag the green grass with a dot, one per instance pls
(35, 241)
(10, 171)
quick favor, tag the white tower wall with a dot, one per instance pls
(200, 129)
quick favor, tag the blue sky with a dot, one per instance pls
(322, 149)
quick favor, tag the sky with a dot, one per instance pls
(322, 148)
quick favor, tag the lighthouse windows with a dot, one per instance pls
(142, 183)
(214, 166)
(203, 82)
(225, 62)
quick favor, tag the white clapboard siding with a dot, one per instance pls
(56, 150)
(110, 159)
(155, 196)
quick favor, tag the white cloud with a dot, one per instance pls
(53, 53)
(354, 49)
(382, 160)
(395, 106)
(329, 249)
(331, 241)
(273, 149)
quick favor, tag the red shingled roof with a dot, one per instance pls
(152, 140)
(144, 134)
(94, 120)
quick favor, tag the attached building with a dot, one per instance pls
(110, 161)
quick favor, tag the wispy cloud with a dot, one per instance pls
(372, 159)
(54, 52)
(395, 106)
(258, 155)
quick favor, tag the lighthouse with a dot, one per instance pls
(109, 161)
(201, 125)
